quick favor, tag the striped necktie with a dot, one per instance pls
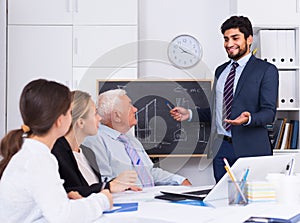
(142, 171)
(228, 95)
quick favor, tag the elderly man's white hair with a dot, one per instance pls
(107, 101)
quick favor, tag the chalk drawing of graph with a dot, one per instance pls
(180, 135)
(147, 134)
(182, 102)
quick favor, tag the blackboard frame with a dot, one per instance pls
(159, 149)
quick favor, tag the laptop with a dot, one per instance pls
(258, 166)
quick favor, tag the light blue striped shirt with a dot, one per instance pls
(112, 158)
(220, 89)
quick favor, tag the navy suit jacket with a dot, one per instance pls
(256, 92)
(69, 171)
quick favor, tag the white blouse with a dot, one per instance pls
(31, 190)
(85, 168)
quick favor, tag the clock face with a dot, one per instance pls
(184, 51)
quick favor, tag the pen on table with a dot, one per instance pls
(104, 183)
(229, 169)
(245, 175)
(290, 167)
(287, 168)
(230, 173)
(243, 182)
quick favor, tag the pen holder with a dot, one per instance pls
(237, 193)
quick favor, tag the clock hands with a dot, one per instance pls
(185, 51)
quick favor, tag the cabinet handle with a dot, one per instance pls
(69, 5)
(75, 45)
(297, 6)
(76, 5)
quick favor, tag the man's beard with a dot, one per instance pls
(240, 54)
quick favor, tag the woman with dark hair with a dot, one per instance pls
(75, 169)
(30, 187)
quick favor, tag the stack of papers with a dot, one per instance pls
(260, 191)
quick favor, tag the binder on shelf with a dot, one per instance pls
(295, 133)
(287, 92)
(286, 48)
(288, 143)
(280, 133)
(281, 48)
(268, 46)
(290, 47)
(285, 136)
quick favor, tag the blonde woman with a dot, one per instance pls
(74, 168)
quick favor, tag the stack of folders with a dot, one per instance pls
(260, 191)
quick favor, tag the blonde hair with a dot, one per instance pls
(80, 106)
(107, 102)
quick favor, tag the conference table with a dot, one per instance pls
(151, 210)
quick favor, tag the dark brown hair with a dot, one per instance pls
(41, 103)
(240, 22)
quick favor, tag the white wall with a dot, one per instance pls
(2, 66)
(161, 21)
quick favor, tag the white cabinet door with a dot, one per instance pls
(40, 11)
(85, 79)
(2, 67)
(105, 46)
(112, 12)
(263, 12)
(35, 52)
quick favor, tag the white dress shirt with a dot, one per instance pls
(220, 89)
(32, 191)
(113, 159)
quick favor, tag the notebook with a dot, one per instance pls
(258, 166)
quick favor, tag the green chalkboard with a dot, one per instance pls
(159, 133)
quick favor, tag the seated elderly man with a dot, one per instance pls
(116, 150)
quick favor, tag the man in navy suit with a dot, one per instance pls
(253, 106)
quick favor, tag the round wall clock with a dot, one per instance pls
(184, 51)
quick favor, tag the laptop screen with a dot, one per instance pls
(258, 166)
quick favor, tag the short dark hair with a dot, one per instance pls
(240, 22)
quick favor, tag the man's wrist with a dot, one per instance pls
(190, 115)
(249, 121)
